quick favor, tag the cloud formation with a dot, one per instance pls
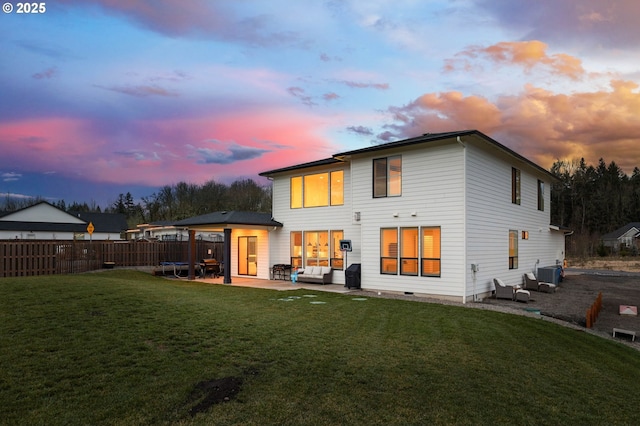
(46, 74)
(526, 54)
(537, 123)
(232, 153)
(10, 176)
(198, 19)
(591, 23)
(363, 85)
(140, 91)
(150, 92)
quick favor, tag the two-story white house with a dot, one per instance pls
(440, 215)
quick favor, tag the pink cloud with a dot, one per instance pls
(526, 54)
(541, 125)
(221, 147)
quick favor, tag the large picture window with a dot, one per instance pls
(317, 190)
(389, 251)
(430, 258)
(387, 177)
(408, 251)
(418, 251)
(316, 248)
(513, 249)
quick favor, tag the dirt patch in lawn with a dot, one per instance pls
(209, 392)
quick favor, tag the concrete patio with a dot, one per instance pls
(278, 285)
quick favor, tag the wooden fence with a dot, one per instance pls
(25, 258)
(594, 311)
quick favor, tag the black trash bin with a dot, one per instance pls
(352, 276)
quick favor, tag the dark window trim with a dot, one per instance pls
(387, 174)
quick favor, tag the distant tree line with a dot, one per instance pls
(171, 203)
(184, 200)
(593, 201)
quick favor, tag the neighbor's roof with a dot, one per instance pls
(20, 226)
(426, 138)
(230, 218)
(104, 222)
(621, 231)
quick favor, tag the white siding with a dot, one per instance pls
(491, 214)
(263, 267)
(433, 190)
(38, 235)
(463, 188)
(310, 219)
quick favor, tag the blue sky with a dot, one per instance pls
(101, 97)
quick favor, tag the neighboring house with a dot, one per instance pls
(439, 214)
(167, 231)
(627, 237)
(43, 221)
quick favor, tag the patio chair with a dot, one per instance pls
(530, 282)
(504, 291)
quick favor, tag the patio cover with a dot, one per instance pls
(224, 221)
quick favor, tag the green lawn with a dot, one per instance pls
(126, 348)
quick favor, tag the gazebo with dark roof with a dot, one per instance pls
(225, 220)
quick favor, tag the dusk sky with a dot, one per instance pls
(101, 97)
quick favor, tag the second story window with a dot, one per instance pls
(317, 190)
(540, 195)
(387, 177)
(515, 185)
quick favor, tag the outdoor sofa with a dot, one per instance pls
(316, 275)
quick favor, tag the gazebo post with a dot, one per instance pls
(227, 256)
(192, 254)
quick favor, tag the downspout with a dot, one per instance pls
(464, 219)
